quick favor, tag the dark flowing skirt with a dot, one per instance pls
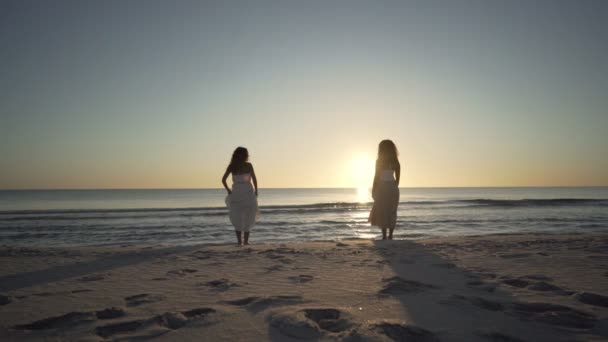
(384, 210)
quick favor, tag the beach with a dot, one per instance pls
(304, 171)
(501, 287)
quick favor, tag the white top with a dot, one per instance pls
(387, 175)
(242, 178)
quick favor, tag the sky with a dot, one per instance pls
(157, 94)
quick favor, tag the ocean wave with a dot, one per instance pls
(104, 214)
(533, 202)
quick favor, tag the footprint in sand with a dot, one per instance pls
(257, 304)
(397, 286)
(198, 312)
(4, 299)
(81, 290)
(516, 282)
(201, 255)
(64, 321)
(274, 268)
(487, 275)
(483, 303)
(311, 323)
(389, 330)
(555, 314)
(539, 277)
(479, 284)
(280, 258)
(220, 284)
(110, 313)
(155, 326)
(215, 263)
(143, 298)
(328, 319)
(182, 272)
(541, 286)
(95, 277)
(404, 332)
(119, 328)
(592, 299)
(514, 255)
(547, 287)
(494, 336)
(302, 278)
(71, 319)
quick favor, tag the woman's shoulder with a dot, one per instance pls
(245, 168)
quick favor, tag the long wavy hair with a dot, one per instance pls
(239, 157)
(387, 154)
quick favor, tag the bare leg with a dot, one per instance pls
(383, 233)
(246, 238)
(238, 237)
(390, 233)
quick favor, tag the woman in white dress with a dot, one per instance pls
(242, 199)
(385, 190)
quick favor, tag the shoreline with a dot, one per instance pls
(533, 286)
(128, 246)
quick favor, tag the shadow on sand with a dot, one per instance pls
(450, 303)
(439, 301)
(58, 273)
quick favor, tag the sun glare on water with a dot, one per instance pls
(362, 177)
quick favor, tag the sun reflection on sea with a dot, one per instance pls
(363, 194)
(362, 173)
(360, 226)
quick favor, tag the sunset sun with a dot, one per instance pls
(362, 176)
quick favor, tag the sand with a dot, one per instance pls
(522, 287)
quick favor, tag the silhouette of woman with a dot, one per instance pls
(242, 199)
(385, 190)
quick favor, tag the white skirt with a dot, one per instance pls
(242, 206)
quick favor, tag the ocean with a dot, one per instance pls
(199, 216)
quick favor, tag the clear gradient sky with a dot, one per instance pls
(157, 94)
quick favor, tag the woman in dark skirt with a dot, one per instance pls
(385, 190)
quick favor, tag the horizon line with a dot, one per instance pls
(298, 188)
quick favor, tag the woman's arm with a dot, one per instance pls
(376, 175)
(398, 173)
(255, 180)
(224, 180)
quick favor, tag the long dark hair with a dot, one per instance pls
(239, 157)
(387, 154)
